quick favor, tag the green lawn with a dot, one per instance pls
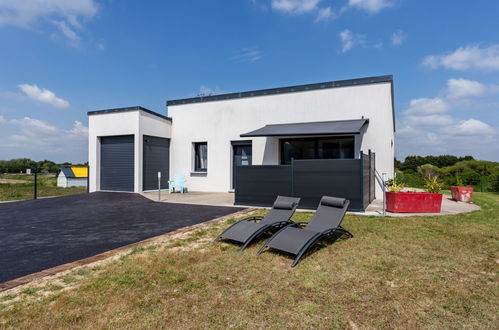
(416, 272)
(23, 185)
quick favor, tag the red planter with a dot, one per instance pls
(413, 202)
(462, 194)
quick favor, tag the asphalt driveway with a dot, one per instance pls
(40, 234)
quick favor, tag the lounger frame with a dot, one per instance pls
(311, 241)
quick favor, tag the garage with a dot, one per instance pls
(156, 159)
(117, 163)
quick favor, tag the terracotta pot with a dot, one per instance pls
(461, 194)
(413, 202)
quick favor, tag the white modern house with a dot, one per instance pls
(207, 138)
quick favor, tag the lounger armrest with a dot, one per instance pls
(297, 224)
(253, 218)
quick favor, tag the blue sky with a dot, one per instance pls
(61, 58)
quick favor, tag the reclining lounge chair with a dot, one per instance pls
(245, 230)
(326, 222)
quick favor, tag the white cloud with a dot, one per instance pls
(67, 31)
(78, 129)
(38, 139)
(398, 37)
(207, 91)
(350, 40)
(100, 46)
(371, 6)
(431, 120)
(43, 95)
(2, 119)
(471, 57)
(247, 54)
(324, 14)
(462, 88)
(64, 13)
(24, 13)
(431, 126)
(471, 127)
(34, 125)
(295, 7)
(427, 106)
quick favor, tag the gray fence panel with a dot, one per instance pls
(372, 177)
(366, 191)
(331, 177)
(260, 184)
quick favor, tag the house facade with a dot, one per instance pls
(207, 138)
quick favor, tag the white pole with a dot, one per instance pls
(159, 186)
(384, 193)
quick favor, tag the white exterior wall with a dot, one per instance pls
(220, 122)
(62, 181)
(137, 123)
(76, 182)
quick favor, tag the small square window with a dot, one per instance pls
(200, 156)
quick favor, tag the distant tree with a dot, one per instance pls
(412, 162)
(397, 163)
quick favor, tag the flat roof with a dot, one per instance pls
(335, 127)
(284, 90)
(127, 109)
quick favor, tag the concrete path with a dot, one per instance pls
(449, 206)
(375, 208)
(194, 197)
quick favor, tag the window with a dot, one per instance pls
(200, 156)
(317, 148)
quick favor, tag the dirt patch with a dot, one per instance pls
(13, 181)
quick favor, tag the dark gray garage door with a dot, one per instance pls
(156, 159)
(116, 166)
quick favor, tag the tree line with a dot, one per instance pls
(18, 165)
(450, 170)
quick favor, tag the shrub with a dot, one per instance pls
(432, 185)
(394, 186)
(428, 171)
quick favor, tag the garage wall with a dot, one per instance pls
(109, 123)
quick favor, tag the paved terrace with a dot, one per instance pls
(375, 209)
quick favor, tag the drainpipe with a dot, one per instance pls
(159, 186)
(384, 193)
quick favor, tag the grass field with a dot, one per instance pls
(20, 187)
(435, 272)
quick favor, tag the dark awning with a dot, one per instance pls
(311, 128)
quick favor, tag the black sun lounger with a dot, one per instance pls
(245, 230)
(326, 222)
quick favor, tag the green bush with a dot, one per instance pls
(410, 179)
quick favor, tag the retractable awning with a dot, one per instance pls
(336, 127)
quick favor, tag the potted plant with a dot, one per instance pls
(461, 193)
(399, 201)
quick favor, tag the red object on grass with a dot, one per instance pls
(413, 202)
(462, 194)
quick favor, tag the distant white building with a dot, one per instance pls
(72, 176)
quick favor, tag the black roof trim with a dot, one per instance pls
(283, 90)
(127, 109)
